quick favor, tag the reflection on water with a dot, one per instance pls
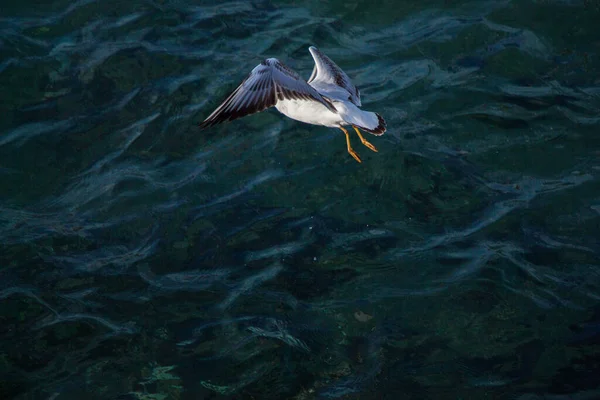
(142, 259)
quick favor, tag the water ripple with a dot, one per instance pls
(256, 258)
(527, 190)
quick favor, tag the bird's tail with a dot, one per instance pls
(375, 125)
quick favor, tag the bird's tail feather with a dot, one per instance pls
(377, 127)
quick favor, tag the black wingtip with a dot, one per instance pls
(205, 124)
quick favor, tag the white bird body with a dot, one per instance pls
(310, 112)
(328, 98)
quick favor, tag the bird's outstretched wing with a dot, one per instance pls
(268, 82)
(326, 74)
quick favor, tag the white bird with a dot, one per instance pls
(329, 98)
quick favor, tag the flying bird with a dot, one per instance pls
(328, 98)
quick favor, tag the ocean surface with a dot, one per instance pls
(142, 258)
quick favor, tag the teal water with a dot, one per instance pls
(143, 259)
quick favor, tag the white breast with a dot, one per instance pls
(310, 112)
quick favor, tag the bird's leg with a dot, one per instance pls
(350, 150)
(363, 140)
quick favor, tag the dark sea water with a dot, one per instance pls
(141, 258)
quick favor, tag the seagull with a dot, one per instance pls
(328, 98)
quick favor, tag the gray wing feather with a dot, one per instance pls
(268, 82)
(327, 73)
